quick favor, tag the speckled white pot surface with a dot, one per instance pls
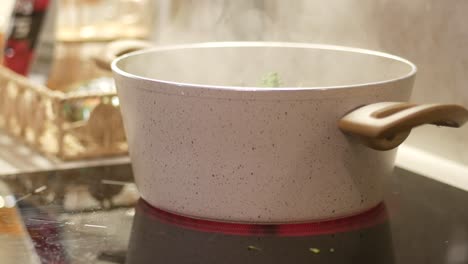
(206, 142)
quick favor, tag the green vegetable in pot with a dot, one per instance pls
(271, 79)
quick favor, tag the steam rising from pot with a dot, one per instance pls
(342, 22)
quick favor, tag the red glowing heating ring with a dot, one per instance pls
(372, 217)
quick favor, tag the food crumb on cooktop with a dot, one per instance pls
(254, 248)
(314, 250)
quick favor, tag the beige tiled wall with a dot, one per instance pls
(432, 33)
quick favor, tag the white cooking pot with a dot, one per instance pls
(207, 141)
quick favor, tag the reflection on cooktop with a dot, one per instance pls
(161, 237)
(85, 216)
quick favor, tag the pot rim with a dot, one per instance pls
(115, 68)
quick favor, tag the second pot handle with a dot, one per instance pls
(384, 126)
(117, 48)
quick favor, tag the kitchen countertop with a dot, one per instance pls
(94, 215)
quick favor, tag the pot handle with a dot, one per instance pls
(117, 48)
(384, 126)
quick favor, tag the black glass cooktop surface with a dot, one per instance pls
(94, 215)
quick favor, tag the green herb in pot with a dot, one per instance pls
(271, 80)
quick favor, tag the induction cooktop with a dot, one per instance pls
(94, 215)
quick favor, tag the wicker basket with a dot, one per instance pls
(35, 115)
